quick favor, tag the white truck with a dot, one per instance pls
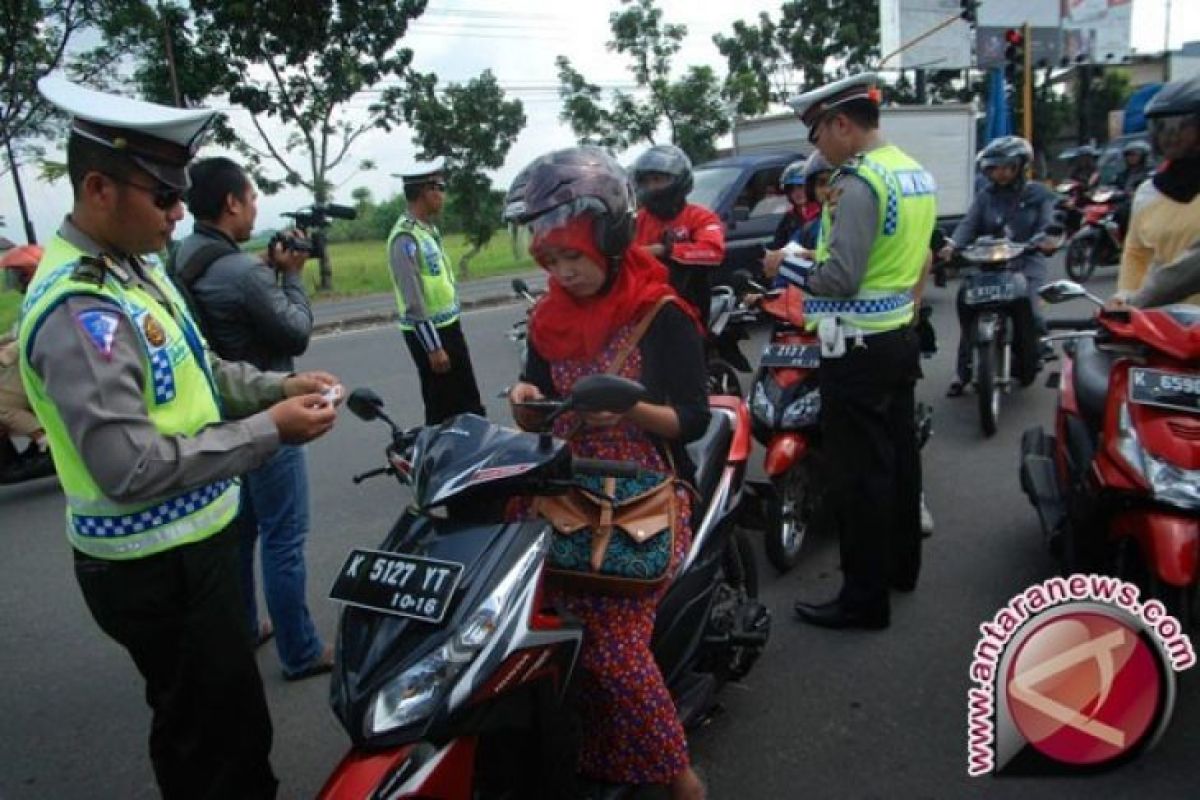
(941, 138)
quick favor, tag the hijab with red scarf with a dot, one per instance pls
(565, 327)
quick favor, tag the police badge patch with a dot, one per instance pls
(153, 329)
(100, 328)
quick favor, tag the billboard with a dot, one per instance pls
(901, 21)
(1096, 31)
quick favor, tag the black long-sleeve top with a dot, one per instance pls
(673, 372)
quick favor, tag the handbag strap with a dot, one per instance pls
(639, 332)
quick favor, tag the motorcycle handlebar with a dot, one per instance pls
(603, 466)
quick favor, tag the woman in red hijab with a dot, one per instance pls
(578, 205)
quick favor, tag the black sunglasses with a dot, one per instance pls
(165, 197)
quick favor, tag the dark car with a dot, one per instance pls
(744, 192)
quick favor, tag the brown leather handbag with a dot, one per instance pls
(614, 535)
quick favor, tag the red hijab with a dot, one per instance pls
(565, 327)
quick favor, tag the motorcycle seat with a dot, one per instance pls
(1092, 370)
(709, 454)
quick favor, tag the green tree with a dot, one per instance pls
(292, 66)
(691, 106)
(812, 42)
(472, 126)
(37, 38)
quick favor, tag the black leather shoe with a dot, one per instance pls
(836, 615)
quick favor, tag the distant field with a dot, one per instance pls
(359, 268)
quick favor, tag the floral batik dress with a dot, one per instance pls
(632, 730)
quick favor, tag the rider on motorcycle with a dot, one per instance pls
(801, 226)
(1010, 206)
(1137, 165)
(687, 237)
(1166, 208)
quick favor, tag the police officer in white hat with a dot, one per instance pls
(871, 258)
(135, 408)
(427, 297)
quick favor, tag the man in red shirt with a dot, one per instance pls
(688, 238)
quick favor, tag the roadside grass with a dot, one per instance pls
(359, 268)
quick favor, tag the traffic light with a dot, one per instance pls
(969, 10)
(1014, 52)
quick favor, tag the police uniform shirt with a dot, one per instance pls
(98, 391)
(855, 219)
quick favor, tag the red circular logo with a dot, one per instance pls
(1083, 688)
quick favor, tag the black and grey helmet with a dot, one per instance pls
(565, 184)
(1136, 146)
(664, 159)
(1176, 99)
(1005, 151)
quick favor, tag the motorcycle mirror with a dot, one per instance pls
(1061, 291)
(519, 286)
(365, 404)
(606, 393)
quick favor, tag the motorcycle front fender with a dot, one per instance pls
(784, 451)
(410, 770)
(1169, 541)
(986, 325)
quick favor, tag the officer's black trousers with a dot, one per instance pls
(180, 615)
(453, 392)
(869, 437)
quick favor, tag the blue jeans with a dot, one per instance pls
(275, 512)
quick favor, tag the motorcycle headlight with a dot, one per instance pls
(763, 400)
(804, 410)
(1170, 484)
(413, 694)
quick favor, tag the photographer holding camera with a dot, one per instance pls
(255, 309)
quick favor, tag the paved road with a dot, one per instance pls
(824, 715)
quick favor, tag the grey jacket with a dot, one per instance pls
(1020, 213)
(247, 310)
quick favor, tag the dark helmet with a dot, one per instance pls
(1007, 150)
(793, 175)
(565, 184)
(664, 159)
(1176, 99)
(1136, 146)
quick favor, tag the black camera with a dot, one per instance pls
(289, 242)
(313, 220)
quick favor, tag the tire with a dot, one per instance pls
(1130, 565)
(1081, 259)
(723, 378)
(789, 519)
(987, 387)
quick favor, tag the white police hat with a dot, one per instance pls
(419, 172)
(159, 139)
(810, 106)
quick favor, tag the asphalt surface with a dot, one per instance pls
(823, 715)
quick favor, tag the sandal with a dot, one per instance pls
(956, 389)
(318, 666)
(265, 633)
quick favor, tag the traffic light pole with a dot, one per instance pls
(1027, 85)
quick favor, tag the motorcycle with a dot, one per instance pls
(1117, 484)
(1072, 199)
(785, 410)
(1002, 316)
(728, 319)
(453, 676)
(1099, 239)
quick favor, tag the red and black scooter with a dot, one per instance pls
(1100, 238)
(1117, 485)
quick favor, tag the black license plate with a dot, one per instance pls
(1166, 389)
(796, 356)
(991, 289)
(392, 583)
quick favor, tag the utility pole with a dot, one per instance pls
(1167, 45)
(1027, 85)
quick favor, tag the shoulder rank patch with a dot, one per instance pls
(100, 327)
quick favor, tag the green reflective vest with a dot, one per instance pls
(907, 197)
(180, 395)
(437, 276)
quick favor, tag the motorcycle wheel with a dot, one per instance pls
(1081, 259)
(789, 518)
(1130, 565)
(987, 385)
(723, 378)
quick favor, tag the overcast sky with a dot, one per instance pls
(519, 42)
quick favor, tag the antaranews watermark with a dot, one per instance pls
(1073, 674)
